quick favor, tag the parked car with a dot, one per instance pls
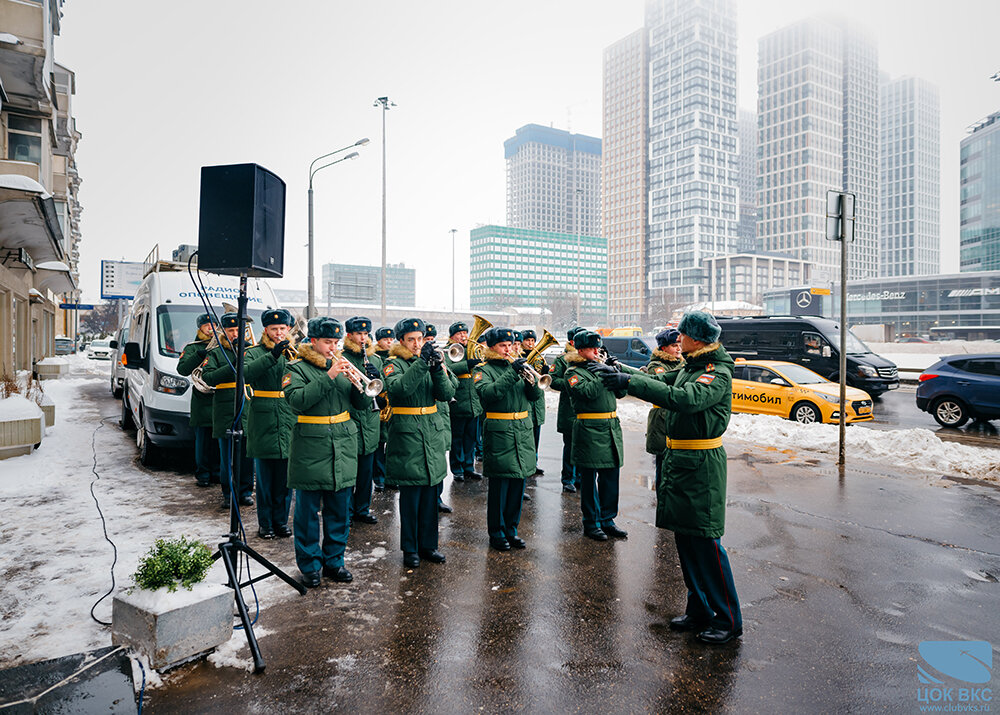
(811, 342)
(99, 350)
(771, 387)
(64, 346)
(958, 388)
(633, 351)
(117, 361)
(913, 340)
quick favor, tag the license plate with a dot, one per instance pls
(864, 410)
(893, 385)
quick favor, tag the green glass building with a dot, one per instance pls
(980, 208)
(519, 267)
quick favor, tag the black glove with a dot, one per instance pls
(472, 362)
(600, 369)
(278, 349)
(545, 369)
(428, 354)
(519, 364)
(381, 402)
(372, 372)
(615, 381)
(612, 361)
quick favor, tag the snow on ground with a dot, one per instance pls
(920, 356)
(56, 563)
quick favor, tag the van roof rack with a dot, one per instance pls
(152, 263)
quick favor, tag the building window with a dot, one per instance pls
(24, 139)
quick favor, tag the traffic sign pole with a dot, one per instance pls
(840, 227)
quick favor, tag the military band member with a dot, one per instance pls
(269, 425)
(691, 500)
(360, 353)
(515, 351)
(481, 340)
(415, 381)
(537, 407)
(465, 410)
(219, 371)
(383, 341)
(323, 454)
(193, 355)
(443, 416)
(565, 417)
(666, 358)
(508, 441)
(598, 451)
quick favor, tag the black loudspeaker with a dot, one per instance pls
(241, 227)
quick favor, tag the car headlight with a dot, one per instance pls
(170, 384)
(867, 371)
(828, 398)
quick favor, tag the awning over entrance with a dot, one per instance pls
(28, 219)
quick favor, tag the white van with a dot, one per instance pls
(156, 400)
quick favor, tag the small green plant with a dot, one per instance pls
(171, 561)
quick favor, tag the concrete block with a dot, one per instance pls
(49, 410)
(19, 436)
(173, 627)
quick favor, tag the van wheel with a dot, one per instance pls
(147, 451)
(806, 413)
(125, 421)
(950, 412)
(116, 392)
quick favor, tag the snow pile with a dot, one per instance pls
(51, 360)
(909, 448)
(17, 407)
(228, 655)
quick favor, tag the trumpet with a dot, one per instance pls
(533, 377)
(453, 352)
(364, 384)
(199, 384)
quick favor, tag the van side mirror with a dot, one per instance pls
(133, 358)
(826, 351)
(114, 345)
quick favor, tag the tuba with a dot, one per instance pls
(534, 357)
(472, 348)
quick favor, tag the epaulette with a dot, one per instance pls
(292, 362)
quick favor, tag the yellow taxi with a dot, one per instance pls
(770, 387)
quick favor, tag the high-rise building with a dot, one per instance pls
(623, 176)
(693, 136)
(343, 283)
(910, 161)
(553, 180)
(747, 178)
(980, 187)
(817, 112)
(516, 267)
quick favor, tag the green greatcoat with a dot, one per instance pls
(414, 452)
(321, 456)
(466, 402)
(191, 357)
(659, 364)
(692, 495)
(217, 371)
(367, 419)
(508, 445)
(538, 406)
(383, 427)
(270, 419)
(444, 410)
(566, 416)
(597, 443)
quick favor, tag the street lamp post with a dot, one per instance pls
(453, 232)
(384, 103)
(311, 306)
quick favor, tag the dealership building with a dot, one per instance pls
(946, 306)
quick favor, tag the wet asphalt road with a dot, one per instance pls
(898, 409)
(840, 578)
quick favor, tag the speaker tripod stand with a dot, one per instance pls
(230, 549)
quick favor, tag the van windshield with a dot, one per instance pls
(177, 325)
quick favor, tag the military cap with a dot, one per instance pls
(457, 328)
(207, 318)
(357, 324)
(482, 338)
(430, 331)
(409, 325)
(587, 339)
(324, 327)
(383, 333)
(230, 320)
(517, 336)
(528, 334)
(667, 337)
(280, 316)
(499, 335)
(700, 326)
(573, 331)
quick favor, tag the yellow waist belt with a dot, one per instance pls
(415, 410)
(694, 443)
(268, 393)
(596, 415)
(226, 386)
(464, 376)
(324, 419)
(507, 415)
